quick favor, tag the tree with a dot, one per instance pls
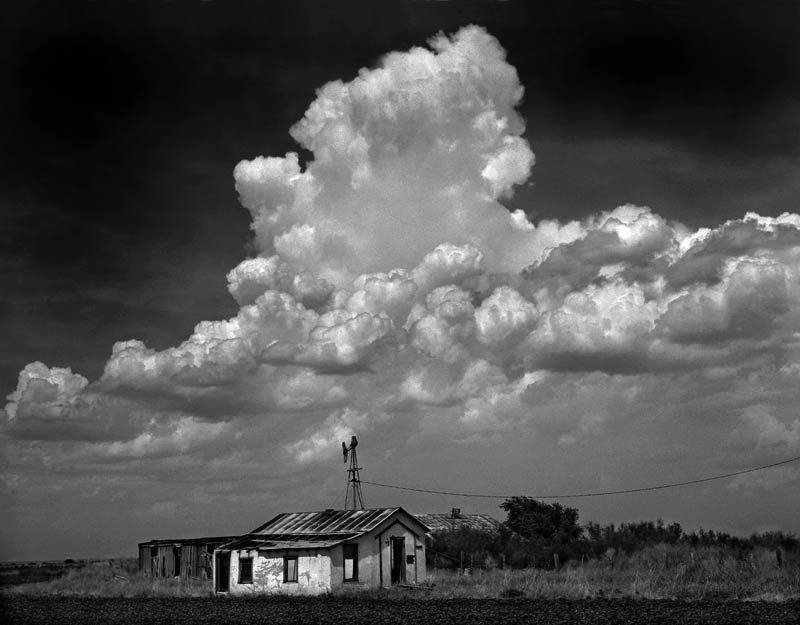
(476, 545)
(541, 531)
(535, 520)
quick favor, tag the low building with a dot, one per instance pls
(189, 558)
(316, 552)
(455, 520)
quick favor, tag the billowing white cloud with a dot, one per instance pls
(44, 392)
(407, 156)
(255, 276)
(504, 316)
(447, 264)
(393, 293)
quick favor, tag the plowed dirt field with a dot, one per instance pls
(371, 611)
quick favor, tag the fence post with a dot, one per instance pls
(779, 557)
(555, 561)
(461, 564)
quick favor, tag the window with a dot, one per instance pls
(350, 563)
(289, 569)
(245, 570)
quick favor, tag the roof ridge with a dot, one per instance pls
(338, 510)
(335, 522)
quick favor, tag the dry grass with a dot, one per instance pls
(117, 578)
(662, 572)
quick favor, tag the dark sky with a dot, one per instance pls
(121, 124)
(123, 121)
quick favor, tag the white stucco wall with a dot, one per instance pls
(416, 572)
(368, 564)
(313, 572)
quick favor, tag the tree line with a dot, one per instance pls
(538, 534)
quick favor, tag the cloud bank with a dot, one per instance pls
(393, 295)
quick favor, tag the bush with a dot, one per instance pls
(536, 534)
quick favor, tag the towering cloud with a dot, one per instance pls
(393, 292)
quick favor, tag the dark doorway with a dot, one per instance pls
(398, 559)
(223, 571)
(154, 561)
(176, 558)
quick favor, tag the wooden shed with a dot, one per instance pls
(316, 552)
(180, 557)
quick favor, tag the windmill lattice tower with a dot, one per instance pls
(353, 499)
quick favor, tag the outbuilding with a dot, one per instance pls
(316, 552)
(189, 558)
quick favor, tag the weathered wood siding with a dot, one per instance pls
(157, 559)
(196, 561)
(144, 559)
(162, 564)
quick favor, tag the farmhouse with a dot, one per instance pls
(315, 552)
(180, 557)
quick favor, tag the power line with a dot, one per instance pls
(596, 494)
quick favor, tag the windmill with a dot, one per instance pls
(353, 500)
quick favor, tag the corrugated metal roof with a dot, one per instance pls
(190, 541)
(272, 542)
(444, 522)
(312, 530)
(301, 544)
(326, 522)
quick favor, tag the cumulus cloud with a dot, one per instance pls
(407, 156)
(44, 392)
(504, 316)
(323, 443)
(392, 290)
(255, 276)
(761, 429)
(182, 435)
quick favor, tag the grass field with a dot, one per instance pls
(16, 573)
(662, 572)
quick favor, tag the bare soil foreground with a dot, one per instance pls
(370, 611)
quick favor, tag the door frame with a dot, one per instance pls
(222, 563)
(398, 559)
